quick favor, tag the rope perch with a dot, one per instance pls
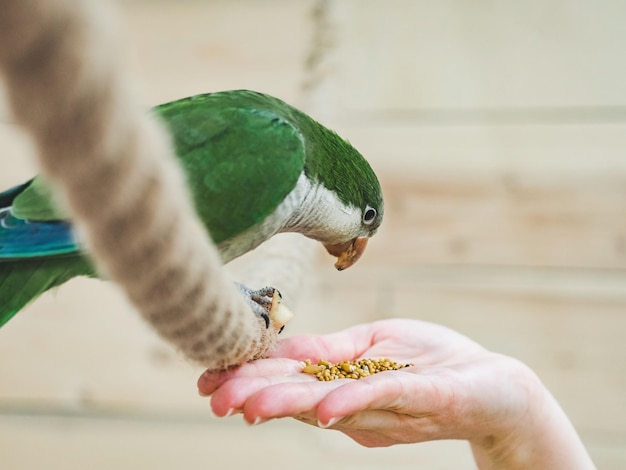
(117, 174)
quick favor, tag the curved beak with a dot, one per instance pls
(347, 253)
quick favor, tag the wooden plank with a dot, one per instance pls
(84, 346)
(411, 148)
(177, 49)
(454, 55)
(184, 48)
(16, 156)
(62, 443)
(104, 443)
(524, 222)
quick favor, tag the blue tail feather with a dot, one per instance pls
(21, 238)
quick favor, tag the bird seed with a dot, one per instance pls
(325, 370)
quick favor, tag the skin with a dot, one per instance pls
(456, 390)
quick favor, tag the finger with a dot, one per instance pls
(380, 428)
(233, 394)
(210, 381)
(368, 438)
(297, 398)
(308, 419)
(362, 431)
(401, 391)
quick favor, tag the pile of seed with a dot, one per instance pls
(325, 370)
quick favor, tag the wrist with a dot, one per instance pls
(535, 432)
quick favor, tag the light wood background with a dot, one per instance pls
(499, 133)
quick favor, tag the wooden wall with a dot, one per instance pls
(499, 133)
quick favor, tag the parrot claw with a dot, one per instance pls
(260, 301)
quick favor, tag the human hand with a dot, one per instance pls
(455, 390)
(445, 363)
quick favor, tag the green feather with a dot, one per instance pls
(36, 202)
(334, 163)
(23, 281)
(241, 157)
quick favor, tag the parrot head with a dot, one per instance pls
(361, 225)
(354, 221)
(257, 166)
(346, 202)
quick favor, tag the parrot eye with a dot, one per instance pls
(369, 215)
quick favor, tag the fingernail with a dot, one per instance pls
(331, 422)
(230, 412)
(202, 394)
(259, 420)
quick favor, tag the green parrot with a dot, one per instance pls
(255, 167)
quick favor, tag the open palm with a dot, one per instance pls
(453, 389)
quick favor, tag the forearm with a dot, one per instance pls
(547, 440)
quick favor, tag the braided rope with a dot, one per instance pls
(117, 174)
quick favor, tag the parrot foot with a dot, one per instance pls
(260, 301)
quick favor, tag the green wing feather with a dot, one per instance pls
(241, 156)
(23, 281)
(36, 202)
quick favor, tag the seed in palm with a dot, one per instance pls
(325, 370)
